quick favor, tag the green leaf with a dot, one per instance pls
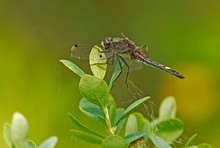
(134, 136)
(132, 107)
(82, 127)
(49, 143)
(137, 123)
(143, 124)
(158, 142)
(73, 67)
(30, 144)
(190, 141)
(119, 113)
(114, 141)
(131, 125)
(94, 89)
(116, 73)
(169, 129)
(204, 145)
(92, 110)
(111, 106)
(7, 135)
(19, 130)
(86, 137)
(167, 108)
(98, 62)
(193, 146)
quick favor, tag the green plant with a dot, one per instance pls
(15, 134)
(98, 104)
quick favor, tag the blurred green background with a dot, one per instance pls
(35, 35)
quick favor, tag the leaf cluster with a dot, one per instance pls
(98, 104)
(15, 134)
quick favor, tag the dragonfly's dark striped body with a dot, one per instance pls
(162, 67)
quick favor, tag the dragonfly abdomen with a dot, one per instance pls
(161, 66)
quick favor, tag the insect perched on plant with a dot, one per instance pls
(126, 52)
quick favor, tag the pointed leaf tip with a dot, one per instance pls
(73, 67)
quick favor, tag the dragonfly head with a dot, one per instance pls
(107, 43)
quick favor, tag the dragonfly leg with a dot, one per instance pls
(123, 60)
(120, 65)
(110, 60)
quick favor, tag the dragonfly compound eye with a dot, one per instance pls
(107, 42)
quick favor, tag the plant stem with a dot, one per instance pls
(108, 122)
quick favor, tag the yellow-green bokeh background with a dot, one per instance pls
(34, 35)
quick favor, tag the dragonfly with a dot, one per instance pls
(123, 50)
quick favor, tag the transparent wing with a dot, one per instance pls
(134, 65)
(81, 51)
(129, 64)
(144, 49)
(126, 64)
